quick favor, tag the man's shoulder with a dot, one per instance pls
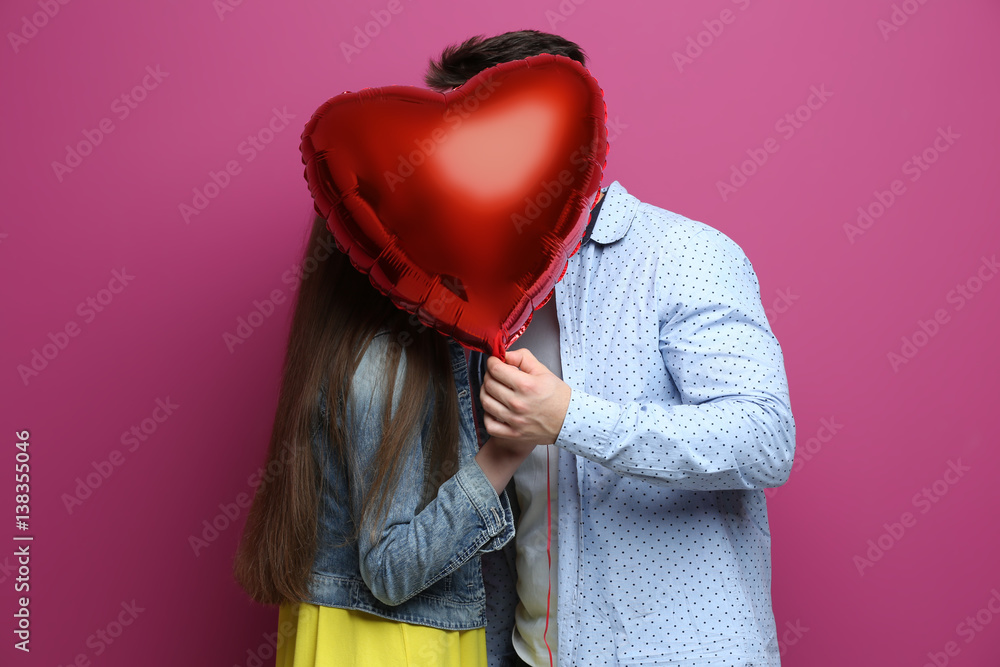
(657, 229)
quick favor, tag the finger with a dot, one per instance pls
(498, 428)
(514, 357)
(498, 390)
(528, 363)
(504, 373)
(493, 407)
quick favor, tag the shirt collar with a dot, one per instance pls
(612, 216)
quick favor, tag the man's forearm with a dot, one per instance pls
(740, 443)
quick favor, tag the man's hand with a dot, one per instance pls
(522, 399)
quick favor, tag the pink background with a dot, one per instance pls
(838, 307)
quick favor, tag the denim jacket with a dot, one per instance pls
(424, 566)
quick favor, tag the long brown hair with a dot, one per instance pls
(337, 313)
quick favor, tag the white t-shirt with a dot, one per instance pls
(533, 575)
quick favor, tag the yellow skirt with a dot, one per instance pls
(317, 636)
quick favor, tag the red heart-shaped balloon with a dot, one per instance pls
(463, 207)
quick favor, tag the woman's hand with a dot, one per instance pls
(499, 458)
(513, 448)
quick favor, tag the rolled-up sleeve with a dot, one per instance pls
(414, 549)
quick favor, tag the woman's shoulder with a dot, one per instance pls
(373, 361)
(370, 378)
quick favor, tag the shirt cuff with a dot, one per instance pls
(494, 510)
(589, 426)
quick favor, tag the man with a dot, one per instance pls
(657, 393)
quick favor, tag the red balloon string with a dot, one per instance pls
(548, 551)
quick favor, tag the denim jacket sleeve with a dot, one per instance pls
(417, 546)
(734, 427)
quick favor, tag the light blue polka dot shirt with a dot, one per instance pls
(678, 420)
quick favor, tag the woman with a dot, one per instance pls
(368, 526)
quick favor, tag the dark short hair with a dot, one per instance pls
(461, 62)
